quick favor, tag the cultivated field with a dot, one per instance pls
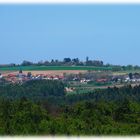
(42, 68)
(58, 70)
(47, 72)
(50, 70)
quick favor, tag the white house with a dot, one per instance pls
(1, 76)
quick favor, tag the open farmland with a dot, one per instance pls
(125, 72)
(46, 72)
(51, 70)
(42, 68)
(58, 70)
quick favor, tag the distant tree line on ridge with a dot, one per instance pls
(74, 62)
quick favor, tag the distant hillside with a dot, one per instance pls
(30, 68)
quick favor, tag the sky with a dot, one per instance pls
(110, 33)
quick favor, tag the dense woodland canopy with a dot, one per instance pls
(44, 108)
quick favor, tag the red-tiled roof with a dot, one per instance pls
(101, 80)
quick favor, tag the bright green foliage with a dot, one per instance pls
(23, 117)
(30, 68)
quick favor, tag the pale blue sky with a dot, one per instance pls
(40, 32)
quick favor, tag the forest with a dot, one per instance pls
(42, 107)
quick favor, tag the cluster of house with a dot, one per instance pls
(20, 77)
(127, 78)
(86, 80)
(100, 80)
(114, 78)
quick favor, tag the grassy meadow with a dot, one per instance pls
(40, 68)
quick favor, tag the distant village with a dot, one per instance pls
(21, 77)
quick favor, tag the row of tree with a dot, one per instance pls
(54, 92)
(74, 62)
(66, 62)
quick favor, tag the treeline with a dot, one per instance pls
(74, 62)
(34, 90)
(65, 62)
(55, 62)
(110, 94)
(54, 93)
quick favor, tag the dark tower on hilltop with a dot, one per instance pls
(87, 59)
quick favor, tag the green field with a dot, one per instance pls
(126, 72)
(40, 68)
